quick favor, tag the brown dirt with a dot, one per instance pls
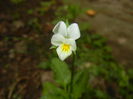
(113, 20)
(22, 47)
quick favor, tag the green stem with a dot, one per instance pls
(72, 75)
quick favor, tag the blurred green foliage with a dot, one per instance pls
(95, 57)
(62, 77)
(45, 6)
(53, 92)
(101, 64)
(67, 12)
(98, 75)
(17, 1)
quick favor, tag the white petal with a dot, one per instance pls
(60, 28)
(73, 31)
(57, 39)
(72, 43)
(63, 55)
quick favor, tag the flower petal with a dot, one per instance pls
(72, 43)
(60, 28)
(73, 31)
(57, 39)
(62, 54)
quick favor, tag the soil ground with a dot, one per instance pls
(113, 20)
(22, 34)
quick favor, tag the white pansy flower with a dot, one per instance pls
(64, 38)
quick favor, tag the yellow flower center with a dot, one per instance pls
(65, 47)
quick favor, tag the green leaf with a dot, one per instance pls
(84, 26)
(80, 83)
(50, 91)
(67, 22)
(43, 65)
(52, 47)
(123, 79)
(101, 94)
(61, 71)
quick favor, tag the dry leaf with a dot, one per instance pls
(91, 12)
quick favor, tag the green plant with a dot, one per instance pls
(97, 74)
(94, 61)
(45, 6)
(62, 76)
(17, 1)
(68, 12)
(34, 23)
